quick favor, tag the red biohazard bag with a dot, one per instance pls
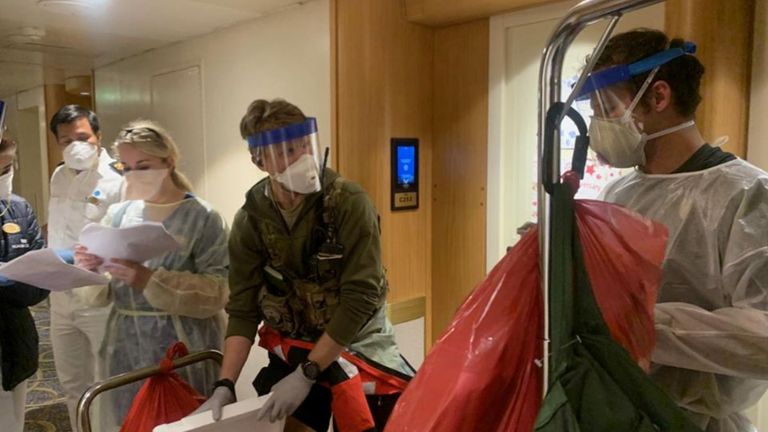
(623, 253)
(164, 398)
(483, 374)
(476, 373)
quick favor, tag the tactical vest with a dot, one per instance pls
(301, 305)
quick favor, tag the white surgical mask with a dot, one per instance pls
(6, 185)
(81, 155)
(302, 176)
(144, 184)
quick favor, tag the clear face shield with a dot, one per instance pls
(616, 134)
(290, 155)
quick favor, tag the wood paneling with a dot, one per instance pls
(55, 98)
(407, 310)
(722, 32)
(460, 132)
(393, 78)
(383, 82)
(334, 83)
(442, 12)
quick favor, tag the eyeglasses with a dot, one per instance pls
(129, 131)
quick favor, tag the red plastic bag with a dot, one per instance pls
(471, 379)
(482, 373)
(623, 253)
(163, 398)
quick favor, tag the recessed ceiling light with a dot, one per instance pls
(69, 7)
(26, 35)
(80, 84)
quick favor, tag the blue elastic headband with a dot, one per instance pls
(617, 74)
(287, 133)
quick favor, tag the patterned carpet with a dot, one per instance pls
(46, 410)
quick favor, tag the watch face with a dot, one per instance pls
(311, 370)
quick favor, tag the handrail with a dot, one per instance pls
(581, 15)
(84, 405)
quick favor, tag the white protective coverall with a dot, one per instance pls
(79, 316)
(183, 301)
(711, 354)
(12, 404)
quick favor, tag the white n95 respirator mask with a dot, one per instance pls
(621, 143)
(618, 141)
(81, 155)
(302, 176)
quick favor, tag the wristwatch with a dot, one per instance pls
(311, 370)
(226, 382)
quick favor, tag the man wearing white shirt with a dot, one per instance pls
(82, 188)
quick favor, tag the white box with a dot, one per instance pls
(236, 417)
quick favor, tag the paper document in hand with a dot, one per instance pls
(44, 269)
(236, 417)
(138, 243)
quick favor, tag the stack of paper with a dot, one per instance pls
(137, 243)
(44, 269)
(236, 417)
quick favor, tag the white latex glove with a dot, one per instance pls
(287, 395)
(221, 396)
(661, 318)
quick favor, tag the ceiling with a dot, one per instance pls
(49, 40)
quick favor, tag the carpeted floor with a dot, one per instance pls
(46, 410)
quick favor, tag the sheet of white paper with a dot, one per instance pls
(44, 269)
(236, 417)
(137, 243)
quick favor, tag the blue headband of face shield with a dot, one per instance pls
(287, 133)
(620, 73)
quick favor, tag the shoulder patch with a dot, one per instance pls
(117, 167)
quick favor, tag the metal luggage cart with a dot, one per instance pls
(550, 81)
(84, 405)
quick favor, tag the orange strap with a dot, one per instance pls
(386, 383)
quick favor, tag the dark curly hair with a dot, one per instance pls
(683, 74)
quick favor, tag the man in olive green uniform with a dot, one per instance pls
(305, 259)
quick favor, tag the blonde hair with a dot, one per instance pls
(149, 137)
